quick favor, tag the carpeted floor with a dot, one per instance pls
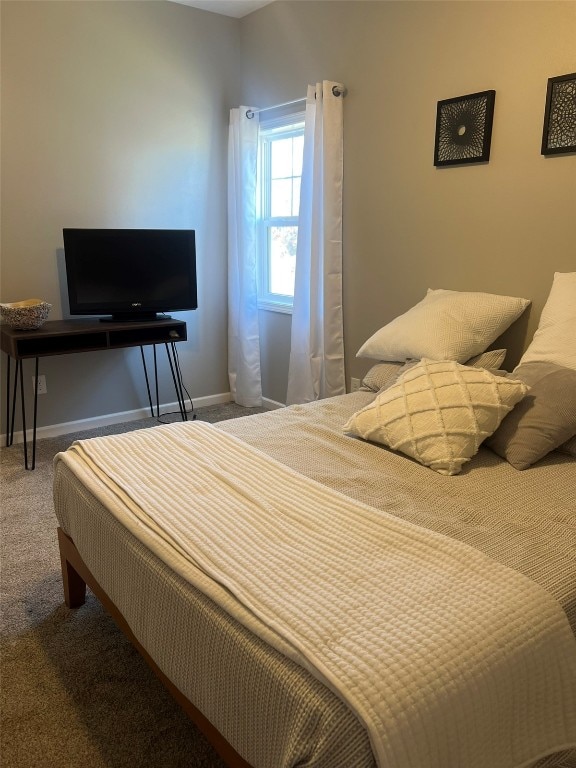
(74, 694)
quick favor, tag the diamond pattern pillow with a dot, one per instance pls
(445, 325)
(438, 413)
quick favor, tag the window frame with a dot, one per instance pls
(284, 126)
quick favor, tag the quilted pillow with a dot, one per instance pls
(555, 338)
(438, 412)
(544, 420)
(384, 374)
(445, 325)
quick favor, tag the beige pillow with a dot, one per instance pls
(438, 412)
(493, 358)
(555, 338)
(568, 447)
(384, 374)
(445, 325)
(545, 418)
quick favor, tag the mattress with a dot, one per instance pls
(524, 520)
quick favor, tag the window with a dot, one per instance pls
(280, 170)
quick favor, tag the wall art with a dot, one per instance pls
(464, 129)
(559, 133)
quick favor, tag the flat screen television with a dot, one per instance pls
(130, 274)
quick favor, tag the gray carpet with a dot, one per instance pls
(74, 693)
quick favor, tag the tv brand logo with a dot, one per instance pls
(136, 304)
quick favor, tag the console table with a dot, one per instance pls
(64, 337)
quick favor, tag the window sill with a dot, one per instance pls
(272, 306)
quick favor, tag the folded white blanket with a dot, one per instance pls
(450, 659)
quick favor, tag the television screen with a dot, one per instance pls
(130, 274)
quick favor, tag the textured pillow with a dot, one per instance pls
(544, 419)
(384, 374)
(445, 325)
(493, 358)
(555, 338)
(568, 447)
(438, 412)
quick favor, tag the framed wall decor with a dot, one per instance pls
(464, 129)
(559, 134)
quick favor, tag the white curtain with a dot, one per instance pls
(316, 368)
(243, 331)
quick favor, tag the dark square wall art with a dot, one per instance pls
(559, 133)
(464, 129)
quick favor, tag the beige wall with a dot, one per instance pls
(502, 227)
(114, 114)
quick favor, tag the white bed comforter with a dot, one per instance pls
(450, 659)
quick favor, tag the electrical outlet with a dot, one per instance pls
(354, 385)
(42, 388)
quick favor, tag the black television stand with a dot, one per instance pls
(64, 337)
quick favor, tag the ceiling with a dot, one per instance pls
(236, 8)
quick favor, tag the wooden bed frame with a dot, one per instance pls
(75, 578)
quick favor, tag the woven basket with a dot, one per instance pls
(25, 315)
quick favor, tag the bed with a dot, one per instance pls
(475, 666)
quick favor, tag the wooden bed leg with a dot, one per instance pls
(74, 585)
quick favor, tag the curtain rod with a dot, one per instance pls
(337, 90)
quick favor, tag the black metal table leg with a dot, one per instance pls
(175, 378)
(156, 381)
(8, 436)
(14, 393)
(23, 404)
(35, 415)
(147, 381)
(177, 381)
(180, 385)
(11, 412)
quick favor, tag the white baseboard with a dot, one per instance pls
(54, 430)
